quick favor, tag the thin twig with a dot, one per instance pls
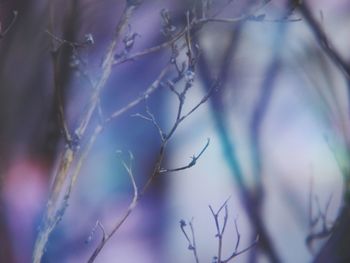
(99, 128)
(151, 118)
(198, 24)
(190, 239)
(157, 167)
(155, 85)
(192, 163)
(120, 222)
(237, 253)
(150, 50)
(220, 230)
(106, 70)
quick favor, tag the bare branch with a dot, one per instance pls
(154, 86)
(106, 69)
(190, 239)
(55, 210)
(151, 118)
(220, 230)
(192, 163)
(323, 40)
(120, 222)
(99, 128)
(237, 253)
(92, 233)
(202, 101)
(196, 24)
(150, 50)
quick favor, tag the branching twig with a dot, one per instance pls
(74, 155)
(195, 25)
(157, 168)
(220, 230)
(191, 239)
(99, 128)
(151, 118)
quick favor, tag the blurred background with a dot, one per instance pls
(278, 127)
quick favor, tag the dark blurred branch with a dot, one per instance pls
(3, 32)
(336, 247)
(249, 199)
(323, 40)
(265, 96)
(6, 249)
(258, 116)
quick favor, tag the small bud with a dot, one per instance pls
(182, 223)
(189, 75)
(129, 41)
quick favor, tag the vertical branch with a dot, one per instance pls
(54, 212)
(220, 230)
(157, 170)
(258, 116)
(131, 207)
(107, 65)
(323, 40)
(191, 239)
(266, 92)
(219, 234)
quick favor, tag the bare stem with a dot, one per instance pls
(191, 238)
(120, 222)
